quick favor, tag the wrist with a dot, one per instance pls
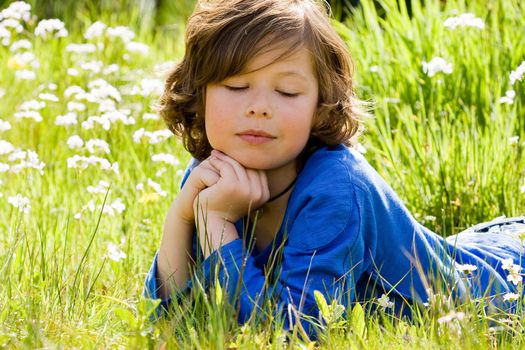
(214, 231)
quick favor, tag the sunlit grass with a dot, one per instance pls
(71, 273)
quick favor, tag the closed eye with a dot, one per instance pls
(235, 88)
(288, 94)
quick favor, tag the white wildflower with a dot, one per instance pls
(452, 315)
(51, 27)
(107, 105)
(73, 90)
(49, 86)
(24, 60)
(160, 172)
(48, 97)
(74, 106)
(114, 253)
(153, 137)
(73, 72)
(22, 44)
(20, 202)
(25, 74)
(511, 296)
(436, 65)
(138, 134)
(508, 98)
(17, 154)
(165, 158)
(75, 142)
(95, 145)
(28, 160)
(514, 278)
(81, 162)
(6, 147)
(67, 119)
(18, 10)
(513, 140)
(4, 125)
(466, 268)
(96, 30)
(115, 168)
(4, 167)
(522, 188)
(464, 20)
(12, 23)
(32, 105)
(517, 74)
(29, 115)
(102, 187)
(147, 87)
(5, 35)
(92, 66)
(156, 187)
(118, 205)
(2, 92)
(374, 69)
(102, 120)
(384, 302)
(507, 264)
(161, 69)
(137, 47)
(81, 48)
(112, 68)
(125, 33)
(100, 89)
(120, 115)
(150, 116)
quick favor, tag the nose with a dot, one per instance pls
(259, 106)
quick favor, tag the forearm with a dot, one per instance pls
(214, 231)
(174, 253)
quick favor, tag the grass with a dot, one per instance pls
(445, 143)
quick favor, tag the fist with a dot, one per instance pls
(234, 192)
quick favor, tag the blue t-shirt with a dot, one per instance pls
(347, 234)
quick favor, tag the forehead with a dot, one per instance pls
(281, 58)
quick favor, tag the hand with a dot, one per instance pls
(202, 176)
(237, 190)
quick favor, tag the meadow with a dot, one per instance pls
(88, 171)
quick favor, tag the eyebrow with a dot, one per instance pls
(292, 73)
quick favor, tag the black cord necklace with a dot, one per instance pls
(280, 194)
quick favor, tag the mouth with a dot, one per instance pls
(255, 136)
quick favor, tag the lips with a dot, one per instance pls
(256, 137)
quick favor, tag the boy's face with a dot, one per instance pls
(263, 118)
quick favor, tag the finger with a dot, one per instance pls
(225, 169)
(240, 171)
(209, 177)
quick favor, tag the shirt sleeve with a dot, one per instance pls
(323, 251)
(151, 287)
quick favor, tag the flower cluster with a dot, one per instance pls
(153, 137)
(517, 75)
(436, 65)
(19, 159)
(20, 202)
(47, 28)
(464, 20)
(514, 271)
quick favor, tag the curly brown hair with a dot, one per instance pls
(221, 38)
